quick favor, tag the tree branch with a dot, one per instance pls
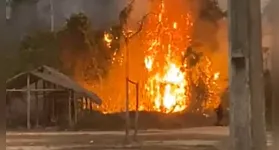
(141, 22)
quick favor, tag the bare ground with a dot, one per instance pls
(204, 138)
(183, 139)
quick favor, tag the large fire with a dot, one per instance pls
(167, 36)
(170, 81)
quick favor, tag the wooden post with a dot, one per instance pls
(275, 72)
(247, 126)
(37, 106)
(87, 105)
(76, 108)
(28, 103)
(52, 103)
(137, 112)
(70, 109)
(45, 105)
(127, 113)
(51, 15)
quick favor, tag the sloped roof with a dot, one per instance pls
(51, 75)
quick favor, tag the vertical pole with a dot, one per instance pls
(88, 107)
(45, 109)
(137, 112)
(52, 104)
(51, 15)
(127, 114)
(239, 99)
(70, 108)
(76, 108)
(8, 9)
(37, 106)
(275, 72)
(256, 76)
(28, 102)
(247, 127)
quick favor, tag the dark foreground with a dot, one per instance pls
(204, 138)
(207, 138)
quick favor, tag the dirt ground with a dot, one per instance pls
(184, 139)
(204, 138)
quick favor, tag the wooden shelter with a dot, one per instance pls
(47, 91)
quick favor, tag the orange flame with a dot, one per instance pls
(166, 83)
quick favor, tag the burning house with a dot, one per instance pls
(45, 97)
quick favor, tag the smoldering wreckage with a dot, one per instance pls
(177, 61)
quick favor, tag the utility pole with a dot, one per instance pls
(127, 38)
(8, 9)
(274, 20)
(127, 111)
(51, 14)
(247, 121)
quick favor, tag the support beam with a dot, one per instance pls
(35, 90)
(275, 71)
(28, 104)
(45, 104)
(247, 122)
(37, 106)
(137, 112)
(70, 108)
(52, 105)
(76, 108)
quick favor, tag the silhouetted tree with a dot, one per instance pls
(81, 53)
(211, 10)
(37, 49)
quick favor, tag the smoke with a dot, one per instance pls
(22, 21)
(210, 36)
(224, 4)
(29, 16)
(102, 13)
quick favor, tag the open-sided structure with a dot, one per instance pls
(46, 93)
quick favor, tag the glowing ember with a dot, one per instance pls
(216, 76)
(108, 39)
